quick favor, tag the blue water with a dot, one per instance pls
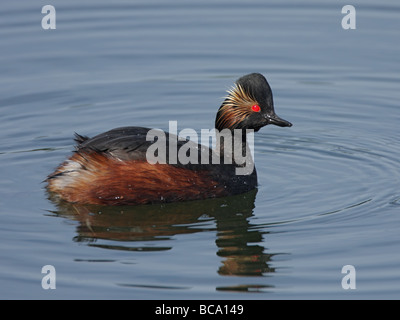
(329, 192)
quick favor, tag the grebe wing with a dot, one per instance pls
(129, 143)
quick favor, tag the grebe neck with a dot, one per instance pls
(233, 148)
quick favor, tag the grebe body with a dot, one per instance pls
(113, 168)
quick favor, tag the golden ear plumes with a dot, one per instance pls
(235, 108)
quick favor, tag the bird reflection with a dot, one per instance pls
(243, 256)
(239, 243)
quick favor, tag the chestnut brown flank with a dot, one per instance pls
(108, 181)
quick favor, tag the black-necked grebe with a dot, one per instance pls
(112, 168)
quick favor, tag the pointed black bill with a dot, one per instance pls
(274, 119)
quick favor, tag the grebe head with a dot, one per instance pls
(249, 105)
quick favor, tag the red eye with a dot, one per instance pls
(256, 108)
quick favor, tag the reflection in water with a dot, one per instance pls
(238, 242)
(239, 245)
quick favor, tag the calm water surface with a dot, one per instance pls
(329, 191)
